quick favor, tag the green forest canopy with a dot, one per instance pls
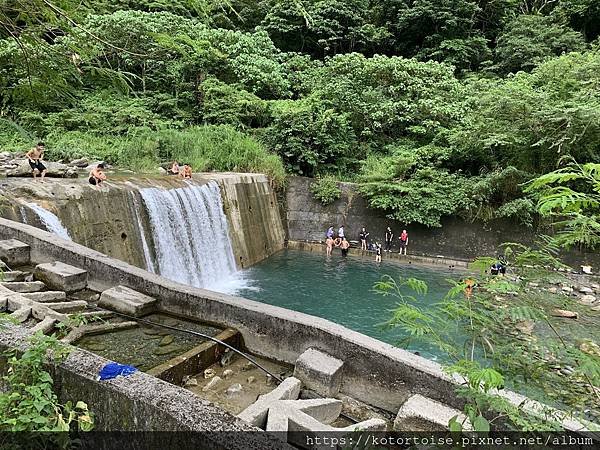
(436, 107)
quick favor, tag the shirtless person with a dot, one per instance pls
(97, 175)
(174, 168)
(35, 157)
(344, 245)
(186, 172)
(330, 243)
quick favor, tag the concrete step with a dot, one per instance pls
(127, 301)
(46, 296)
(67, 307)
(61, 277)
(14, 275)
(24, 286)
(14, 252)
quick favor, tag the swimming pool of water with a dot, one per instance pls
(341, 290)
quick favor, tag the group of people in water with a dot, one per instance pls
(340, 241)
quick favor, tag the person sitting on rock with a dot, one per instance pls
(174, 170)
(97, 175)
(35, 157)
(186, 172)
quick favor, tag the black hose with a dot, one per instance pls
(195, 333)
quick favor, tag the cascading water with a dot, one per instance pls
(49, 220)
(190, 236)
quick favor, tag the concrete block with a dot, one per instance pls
(62, 277)
(21, 314)
(256, 413)
(14, 253)
(46, 296)
(127, 301)
(25, 286)
(319, 372)
(67, 307)
(420, 413)
(14, 275)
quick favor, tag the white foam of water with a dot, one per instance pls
(50, 221)
(191, 239)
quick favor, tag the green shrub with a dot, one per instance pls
(326, 190)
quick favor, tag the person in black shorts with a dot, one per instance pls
(344, 245)
(97, 175)
(35, 157)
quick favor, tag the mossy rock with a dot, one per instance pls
(165, 350)
(168, 339)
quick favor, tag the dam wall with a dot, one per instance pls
(116, 222)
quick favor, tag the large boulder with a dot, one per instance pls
(55, 169)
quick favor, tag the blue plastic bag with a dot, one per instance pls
(113, 370)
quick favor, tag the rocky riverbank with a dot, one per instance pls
(16, 165)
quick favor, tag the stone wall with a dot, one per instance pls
(141, 402)
(308, 219)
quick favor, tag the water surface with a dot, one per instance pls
(341, 290)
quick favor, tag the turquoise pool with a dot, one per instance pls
(340, 289)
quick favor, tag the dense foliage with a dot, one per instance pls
(436, 107)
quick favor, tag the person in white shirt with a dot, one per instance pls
(341, 232)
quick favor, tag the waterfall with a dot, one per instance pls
(49, 220)
(145, 247)
(190, 236)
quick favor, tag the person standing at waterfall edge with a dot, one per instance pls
(330, 232)
(97, 176)
(341, 232)
(403, 241)
(389, 236)
(330, 243)
(364, 236)
(35, 157)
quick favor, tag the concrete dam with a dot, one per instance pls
(169, 253)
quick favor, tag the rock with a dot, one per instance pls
(234, 389)
(250, 380)
(81, 162)
(190, 382)
(55, 169)
(567, 370)
(587, 300)
(165, 350)
(525, 326)
(61, 277)
(248, 366)
(596, 308)
(532, 284)
(211, 384)
(127, 301)
(162, 171)
(567, 289)
(589, 347)
(226, 358)
(228, 373)
(552, 290)
(168, 339)
(586, 269)
(209, 373)
(5, 155)
(595, 287)
(586, 290)
(94, 164)
(564, 313)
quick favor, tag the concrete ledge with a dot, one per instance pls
(141, 402)
(409, 259)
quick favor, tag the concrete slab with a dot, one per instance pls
(256, 413)
(420, 413)
(319, 372)
(46, 296)
(14, 275)
(127, 301)
(45, 325)
(67, 307)
(25, 286)
(62, 277)
(21, 314)
(14, 252)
